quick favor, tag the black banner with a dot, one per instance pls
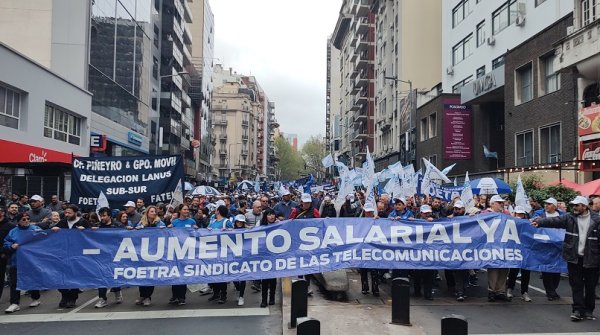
(123, 179)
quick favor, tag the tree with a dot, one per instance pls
(290, 162)
(313, 152)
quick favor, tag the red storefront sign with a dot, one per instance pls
(589, 120)
(590, 151)
(13, 152)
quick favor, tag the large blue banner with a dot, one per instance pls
(123, 179)
(154, 256)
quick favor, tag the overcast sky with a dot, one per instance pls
(283, 44)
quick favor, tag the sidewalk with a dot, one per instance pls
(359, 314)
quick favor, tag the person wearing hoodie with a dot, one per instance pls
(5, 227)
(39, 215)
(106, 222)
(71, 221)
(328, 208)
(11, 246)
(549, 279)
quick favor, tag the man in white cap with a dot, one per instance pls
(284, 208)
(549, 279)
(581, 250)
(132, 214)
(305, 210)
(497, 276)
(39, 215)
(400, 211)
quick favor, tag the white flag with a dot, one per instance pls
(369, 179)
(466, 195)
(448, 169)
(177, 197)
(101, 202)
(327, 161)
(257, 184)
(432, 175)
(521, 198)
(409, 181)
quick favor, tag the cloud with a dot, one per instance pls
(284, 45)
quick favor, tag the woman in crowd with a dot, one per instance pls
(150, 219)
(54, 219)
(240, 286)
(183, 221)
(268, 286)
(221, 222)
(513, 273)
(123, 219)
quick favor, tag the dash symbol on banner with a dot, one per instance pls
(91, 251)
(542, 237)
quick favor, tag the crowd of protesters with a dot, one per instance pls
(249, 210)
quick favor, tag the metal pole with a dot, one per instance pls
(299, 302)
(454, 325)
(308, 326)
(401, 301)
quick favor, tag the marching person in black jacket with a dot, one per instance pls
(106, 222)
(71, 221)
(581, 250)
(5, 227)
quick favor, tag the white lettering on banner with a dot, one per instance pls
(591, 155)
(313, 240)
(101, 165)
(35, 158)
(165, 162)
(489, 230)
(164, 197)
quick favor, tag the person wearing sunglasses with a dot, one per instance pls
(11, 246)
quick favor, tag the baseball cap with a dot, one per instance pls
(129, 204)
(240, 217)
(459, 204)
(551, 200)
(36, 198)
(284, 193)
(327, 198)
(496, 198)
(400, 199)
(520, 210)
(368, 207)
(220, 203)
(580, 200)
(425, 209)
(306, 197)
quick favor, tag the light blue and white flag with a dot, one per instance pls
(466, 195)
(521, 198)
(103, 201)
(327, 161)
(432, 175)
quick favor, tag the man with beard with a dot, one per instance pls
(581, 250)
(71, 221)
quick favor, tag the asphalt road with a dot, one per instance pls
(197, 316)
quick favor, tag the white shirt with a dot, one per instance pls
(583, 225)
(72, 223)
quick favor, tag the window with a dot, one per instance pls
(462, 50)
(549, 79)
(424, 129)
(524, 148)
(457, 86)
(156, 35)
(550, 144)
(480, 72)
(480, 33)
(590, 11)
(539, 2)
(155, 68)
(432, 125)
(462, 10)
(524, 84)
(504, 16)
(61, 125)
(498, 62)
(10, 107)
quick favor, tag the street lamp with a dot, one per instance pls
(412, 108)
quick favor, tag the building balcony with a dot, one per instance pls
(360, 7)
(223, 137)
(177, 30)
(355, 106)
(362, 43)
(244, 152)
(355, 72)
(360, 115)
(362, 25)
(176, 78)
(361, 61)
(177, 54)
(221, 122)
(187, 34)
(223, 152)
(176, 102)
(244, 137)
(353, 41)
(274, 123)
(362, 97)
(245, 123)
(187, 59)
(188, 12)
(581, 49)
(186, 100)
(361, 80)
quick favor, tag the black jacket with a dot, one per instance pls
(81, 223)
(328, 211)
(5, 227)
(591, 253)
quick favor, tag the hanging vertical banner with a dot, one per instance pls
(457, 131)
(123, 179)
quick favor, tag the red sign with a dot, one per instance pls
(97, 143)
(589, 120)
(457, 130)
(590, 151)
(13, 152)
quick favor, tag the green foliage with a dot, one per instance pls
(531, 183)
(559, 192)
(313, 152)
(290, 162)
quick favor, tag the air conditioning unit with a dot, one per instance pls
(450, 70)
(491, 40)
(520, 20)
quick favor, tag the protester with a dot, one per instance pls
(240, 286)
(582, 253)
(12, 213)
(140, 206)
(149, 220)
(284, 208)
(268, 286)
(327, 209)
(254, 216)
(39, 215)
(183, 221)
(11, 246)
(369, 212)
(106, 222)
(424, 278)
(496, 276)
(519, 212)
(132, 214)
(400, 211)
(54, 219)
(55, 205)
(221, 223)
(305, 210)
(5, 227)
(457, 279)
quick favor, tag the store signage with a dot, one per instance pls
(97, 143)
(457, 134)
(482, 85)
(589, 120)
(134, 139)
(590, 151)
(13, 152)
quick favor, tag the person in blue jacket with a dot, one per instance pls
(221, 223)
(150, 219)
(400, 211)
(550, 280)
(11, 246)
(183, 221)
